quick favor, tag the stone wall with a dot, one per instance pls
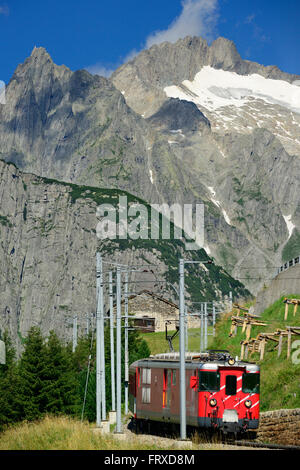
(280, 427)
(284, 284)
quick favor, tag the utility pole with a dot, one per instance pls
(112, 342)
(74, 333)
(98, 342)
(182, 344)
(214, 317)
(186, 330)
(205, 326)
(182, 351)
(201, 327)
(118, 382)
(87, 324)
(102, 350)
(126, 342)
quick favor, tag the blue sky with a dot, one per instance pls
(101, 35)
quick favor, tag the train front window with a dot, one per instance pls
(230, 388)
(250, 383)
(209, 381)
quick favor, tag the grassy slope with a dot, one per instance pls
(63, 433)
(280, 378)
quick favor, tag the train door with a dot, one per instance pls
(210, 382)
(133, 379)
(232, 385)
(167, 381)
(192, 385)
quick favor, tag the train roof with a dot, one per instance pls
(209, 360)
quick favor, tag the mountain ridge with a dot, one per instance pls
(171, 63)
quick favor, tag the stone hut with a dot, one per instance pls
(150, 305)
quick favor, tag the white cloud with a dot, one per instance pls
(131, 55)
(4, 10)
(198, 18)
(100, 69)
(2, 92)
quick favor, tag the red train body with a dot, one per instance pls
(220, 393)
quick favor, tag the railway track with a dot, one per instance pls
(230, 441)
(263, 445)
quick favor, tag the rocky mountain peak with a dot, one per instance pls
(223, 54)
(40, 52)
(144, 78)
(38, 69)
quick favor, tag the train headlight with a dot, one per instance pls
(212, 402)
(231, 361)
(248, 403)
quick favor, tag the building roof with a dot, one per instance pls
(153, 295)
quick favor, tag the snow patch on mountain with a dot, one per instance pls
(218, 204)
(225, 215)
(213, 193)
(151, 176)
(289, 224)
(215, 89)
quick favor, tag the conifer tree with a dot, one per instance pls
(32, 376)
(9, 412)
(60, 382)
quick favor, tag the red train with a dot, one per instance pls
(221, 393)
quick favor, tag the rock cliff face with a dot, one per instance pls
(48, 252)
(147, 131)
(69, 125)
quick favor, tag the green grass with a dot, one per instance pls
(280, 377)
(63, 433)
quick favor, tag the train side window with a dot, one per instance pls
(209, 381)
(166, 388)
(146, 395)
(146, 378)
(250, 383)
(230, 388)
(173, 377)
